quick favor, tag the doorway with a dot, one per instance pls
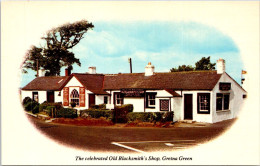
(50, 96)
(188, 106)
(91, 100)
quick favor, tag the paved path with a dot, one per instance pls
(129, 139)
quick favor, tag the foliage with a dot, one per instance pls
(44, 105)
(73, 104)
(121, 113)
(97, 113)
(150, 116)
(56, 51)
(35, 109)
(203, 64)
(66, 113)
(182, 68)
(29, 106)
(100, 106)
(26, 100)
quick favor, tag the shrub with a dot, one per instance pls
(150, 116)
(26, 100)
(30, 105)
(97, 113)
(66, 113)
(121, 112)
(35, 109)
(44, 106)
(73, 104)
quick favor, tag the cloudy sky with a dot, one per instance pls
(166, 44)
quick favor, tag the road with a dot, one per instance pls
(129, 139)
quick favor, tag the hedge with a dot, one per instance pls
(44, 105)
(150, 116)
(97, 113)
(121, 113)
(66, 113)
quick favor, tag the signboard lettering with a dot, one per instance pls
(224, 86)
(132, 92)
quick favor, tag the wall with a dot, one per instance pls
(198, 117)
(176, 107)
(58, 98)
(138, 103)
(42, 95)
(235, 103)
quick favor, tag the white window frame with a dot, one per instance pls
(151, 99)
(119, 98)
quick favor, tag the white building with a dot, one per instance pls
(202, 96)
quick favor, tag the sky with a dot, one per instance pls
(166, 44)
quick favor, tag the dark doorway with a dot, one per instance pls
(91, 100)
(50, 96)
(188, 106)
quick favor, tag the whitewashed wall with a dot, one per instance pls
(176, 107)
(235, 103)
(196, 116)
(58, 98)
(138, 103)
(42, 95)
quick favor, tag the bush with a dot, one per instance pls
(44, 106)
(29, 106)
(35, 109)
(97, 113)
(26, 100)
(66, 113)
(150, 116)
(121, 112)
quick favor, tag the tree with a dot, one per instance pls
(182, 68)
(56, 51)
(203, 64)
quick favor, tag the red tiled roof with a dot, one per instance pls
(47, 83)
(92, 82)
(195, 80)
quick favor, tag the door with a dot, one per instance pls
(50, 96)
(91, 100)
(188, 106)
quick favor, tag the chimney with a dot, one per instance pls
(41, 73)
(149, 69)
(220, 66)
(67, 72)
(92, 70)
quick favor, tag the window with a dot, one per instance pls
(203, 102)
(150, 100)
(35, 96)
(118, 98)
(105, 100)
(74, 97)
(164, 105)
(222, 101)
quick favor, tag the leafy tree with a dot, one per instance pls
(203, 64)
(182, 68)
(56, 51)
